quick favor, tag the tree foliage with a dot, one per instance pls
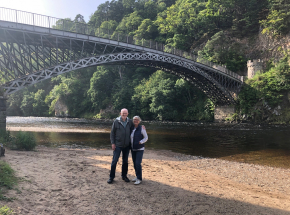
(277, 22)
(221, 50)
(164, 97)
(268, 88)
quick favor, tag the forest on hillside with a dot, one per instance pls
(228, 32)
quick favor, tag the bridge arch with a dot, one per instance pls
(187, 71)
(30, 54)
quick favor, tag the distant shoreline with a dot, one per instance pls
(14, 125)
(59, 130)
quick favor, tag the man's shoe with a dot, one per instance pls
(134, 180)
(126, 179)
(138, 182)
(110, 181)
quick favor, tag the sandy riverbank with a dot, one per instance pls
(73, 181)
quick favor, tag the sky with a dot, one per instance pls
(55, 8)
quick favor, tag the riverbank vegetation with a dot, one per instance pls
(265, 97)
(8, 180)
(5, 136)
(22, 140)
(5, 210)
(224, 32)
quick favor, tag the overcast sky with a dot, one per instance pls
(55, 8)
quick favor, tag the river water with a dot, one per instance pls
(265, 145)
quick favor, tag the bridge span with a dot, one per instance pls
(35, 47)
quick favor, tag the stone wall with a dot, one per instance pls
(253, 67)
(2, 113)
(60, 108)
(222, 112)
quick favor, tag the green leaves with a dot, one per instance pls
(273, 84)
(182, 18)
(164, 97)
(277, 22)
(24, 141)
(269, 88)
(147, 30)
(101, 87)
(223, 50)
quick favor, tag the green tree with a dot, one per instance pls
(129, 23)
(268, 88)
(166, 97)
(72, 90)
(101, 87)
(278, 19)
(113, 10)
(147, 30)
(27, 104)
(40, 108)
(64, 24)
(246, 16)
(14, 103)
(222, 50)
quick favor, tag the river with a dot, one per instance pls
(256, 144)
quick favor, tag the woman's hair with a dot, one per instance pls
(137, 117)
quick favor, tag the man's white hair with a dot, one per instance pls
(125, 109)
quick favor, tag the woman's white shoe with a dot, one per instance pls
(134, 180)
(138, 182)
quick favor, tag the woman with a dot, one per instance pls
(138, 138)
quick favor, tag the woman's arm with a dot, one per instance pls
(145, 136)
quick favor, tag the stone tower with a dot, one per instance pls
(253, 67)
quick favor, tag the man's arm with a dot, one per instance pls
(113, 136)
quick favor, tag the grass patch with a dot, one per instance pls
(7, 180)
(5, 210)
(23, 141)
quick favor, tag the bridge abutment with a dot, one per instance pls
(222, 112)
(3, 113)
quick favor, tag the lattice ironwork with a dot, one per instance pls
(30, 55)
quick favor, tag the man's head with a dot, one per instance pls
(124, 113)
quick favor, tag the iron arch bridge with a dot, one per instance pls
(31, 52)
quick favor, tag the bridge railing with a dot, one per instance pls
(22, 17)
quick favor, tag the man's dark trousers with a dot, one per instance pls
(125, 154)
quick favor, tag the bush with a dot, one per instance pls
(7, 179)
(4, 136)
(24, 140)
(233, 117)
(5, 210)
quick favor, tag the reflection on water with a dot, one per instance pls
(251, 144)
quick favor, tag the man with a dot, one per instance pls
(120, 140)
